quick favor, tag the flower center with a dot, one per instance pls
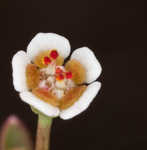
(52, 77)
(52, 82)
(55, 79)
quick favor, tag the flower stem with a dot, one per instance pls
(43, 132)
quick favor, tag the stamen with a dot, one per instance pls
(46, 60)
(68, 75)
(60, 77)
(44, 85)
(59, 70)
(54, 54)
(58, 93)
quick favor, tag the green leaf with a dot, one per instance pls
(14, 135)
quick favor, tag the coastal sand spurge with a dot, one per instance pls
(51, 87)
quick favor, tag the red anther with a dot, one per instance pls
(59, 70)
(47, 60)
(60, 77)
(68, 75)
(54, 54)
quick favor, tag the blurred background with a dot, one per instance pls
(116, 30)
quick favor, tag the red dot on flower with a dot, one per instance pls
(68, 75)
(47, 60)
(60, 77)
(54, 54)
(59, 70)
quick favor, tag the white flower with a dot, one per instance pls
(51, 88)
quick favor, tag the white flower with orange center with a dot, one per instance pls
(51, 87)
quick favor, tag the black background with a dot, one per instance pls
(116, 31)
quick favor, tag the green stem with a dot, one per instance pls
(43, 132)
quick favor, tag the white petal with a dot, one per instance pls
(87, 58)
(48, 41)
(40, 105)
(19, 63)
(83, 102)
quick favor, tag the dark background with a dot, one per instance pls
(117, 32)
